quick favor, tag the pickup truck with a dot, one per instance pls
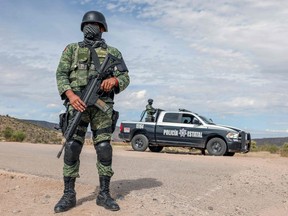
(184, 128)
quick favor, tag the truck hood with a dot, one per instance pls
(224, 127)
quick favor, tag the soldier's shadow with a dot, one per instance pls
(121, 188)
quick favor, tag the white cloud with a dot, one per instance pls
(52, 105)
(139, 95)
(83, 2)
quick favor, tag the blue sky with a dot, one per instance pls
(224, 59)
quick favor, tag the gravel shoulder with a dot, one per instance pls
(145, 183)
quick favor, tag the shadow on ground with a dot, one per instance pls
(123, 187)
(176, 151)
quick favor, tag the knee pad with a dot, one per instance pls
(72, 152)
(104, 152)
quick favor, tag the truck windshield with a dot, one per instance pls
(206, 120)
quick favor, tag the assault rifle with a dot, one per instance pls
(90, 96)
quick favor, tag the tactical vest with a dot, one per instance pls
(82, 67)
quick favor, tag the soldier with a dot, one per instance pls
(73, 72)
(150, 111)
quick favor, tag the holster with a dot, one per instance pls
(63, 121)
(115, 116)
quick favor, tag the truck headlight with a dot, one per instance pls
(232, 135)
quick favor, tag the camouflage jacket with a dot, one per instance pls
(150, 110)
(75, 68)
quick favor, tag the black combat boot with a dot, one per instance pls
(68, 200)
(104, 198)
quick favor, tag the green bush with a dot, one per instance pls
(284, 150)
(8, 133)
(253, 147)
(11, 135)
(18, 136)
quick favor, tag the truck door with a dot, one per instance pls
(177, 128)
(191, 130)
(167, 129)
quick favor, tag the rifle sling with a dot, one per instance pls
(95, 58)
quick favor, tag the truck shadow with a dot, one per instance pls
(184, 152)
(121, 188)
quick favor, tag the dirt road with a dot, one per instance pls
(145, 183)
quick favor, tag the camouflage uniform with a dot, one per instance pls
(73, 72)
(150, 111)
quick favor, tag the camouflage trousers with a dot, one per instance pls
(100, 123)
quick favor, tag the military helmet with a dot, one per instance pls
(150, 100)
(94, 16)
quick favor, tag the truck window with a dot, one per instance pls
(186, 119)
(171, 117)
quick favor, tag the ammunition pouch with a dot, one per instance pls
(115, 116)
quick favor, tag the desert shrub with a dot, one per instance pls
(284, 150)
(18, 136)
(270, 148)
(253, 146)
(11, 135)
(8, 133)
(56, 140)
(267, 147)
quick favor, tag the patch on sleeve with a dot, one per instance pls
(65, 49)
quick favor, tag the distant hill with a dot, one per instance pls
(279, 141)
(43, 124)
(39, 131)
(50, 125)
(34, 132)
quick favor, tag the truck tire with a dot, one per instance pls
(216, 146)
(139, 142)
(155, 148)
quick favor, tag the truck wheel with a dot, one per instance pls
(155, 148)
(216, 146)
(139, 142)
